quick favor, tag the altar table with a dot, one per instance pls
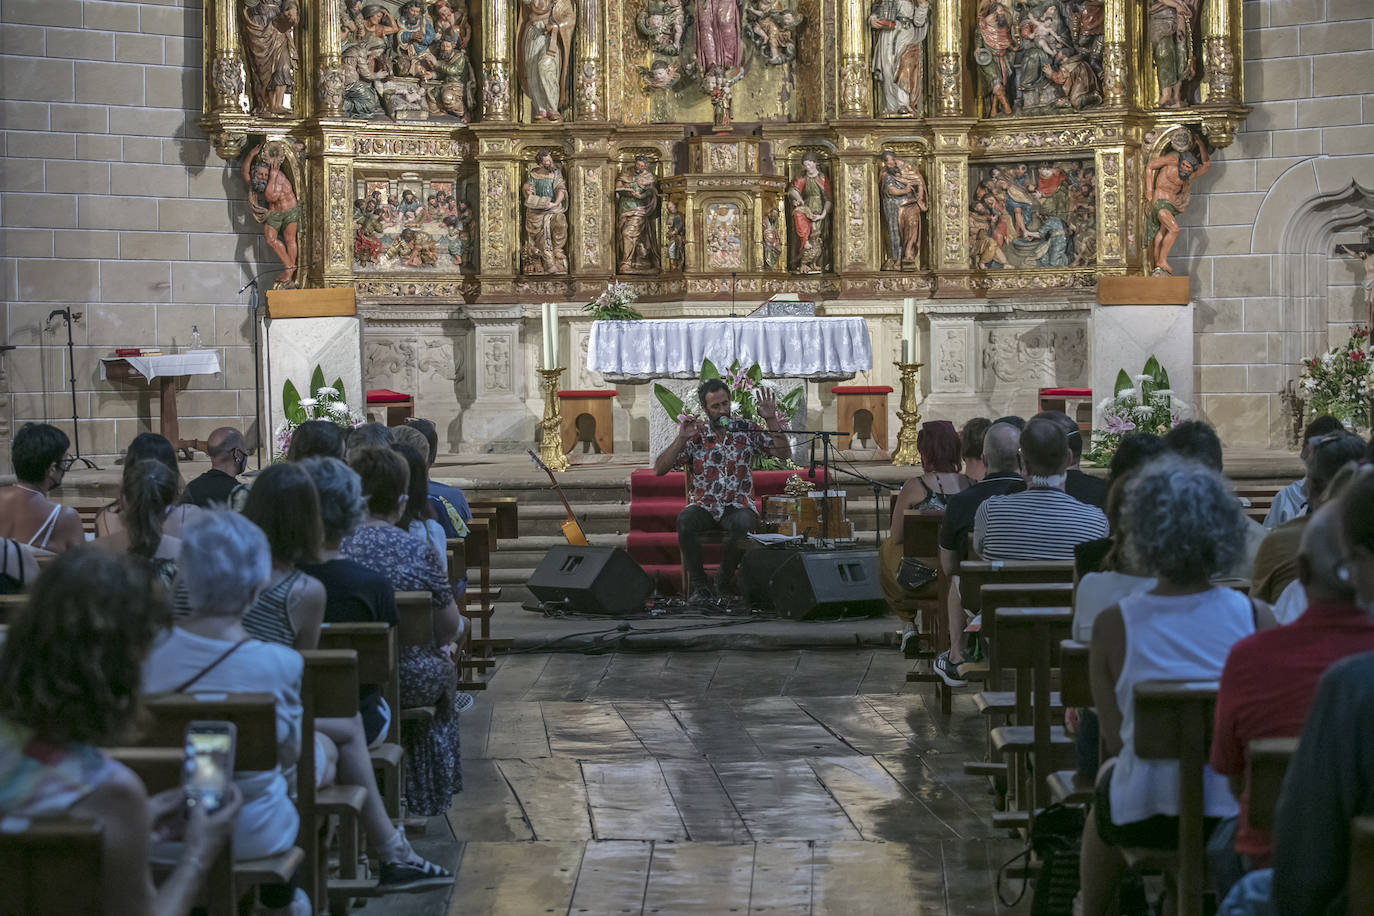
(168, 369)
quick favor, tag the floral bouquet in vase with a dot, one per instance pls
(744, 385)
(1145, 404)
(614, 304)
(325, 402)
(1337, 382)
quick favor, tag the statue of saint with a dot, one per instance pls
(281, 216)
(811, 204)
(456, 92)
(902, 191)
(1167, 182)
(544, 196)
(993, 51)
(636, 203)
(269, 38)
(900, 27)
(674, 236)
(1171, 37)
(544, 47)
(718, 37)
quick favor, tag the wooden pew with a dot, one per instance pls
(1173, 721)
(479, 546)
(920, 540)
(505, 509)
(254, 715)
(50, 866)
(1075, 689)
(1362, 865)
(379, 668)
(996, 595)
(1266, 760)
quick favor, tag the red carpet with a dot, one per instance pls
(654, 506)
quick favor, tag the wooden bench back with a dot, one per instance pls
(253, 714)
(974, 574)
(1075, 684)
(921, 533)
(1026, 633)
(50, 866)
(158, 768)
(415, 619)
(1267, 760)
(998, 595)
(505, 509)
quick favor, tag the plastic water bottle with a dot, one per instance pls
(195, 338)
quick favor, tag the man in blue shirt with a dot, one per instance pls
(450, 503)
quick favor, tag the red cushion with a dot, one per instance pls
(385, 396)
(1066, 392)
(861, 389)
(587, 394)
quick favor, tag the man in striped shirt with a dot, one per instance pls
(1041, 522)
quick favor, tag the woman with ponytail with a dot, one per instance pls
(148, 493)
(149, 446)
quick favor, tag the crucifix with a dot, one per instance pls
(1365, 253)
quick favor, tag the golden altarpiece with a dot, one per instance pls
(459, 163)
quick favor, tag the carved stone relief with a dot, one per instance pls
(1034, 356)
(498, 375)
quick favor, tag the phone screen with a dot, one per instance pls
(209, 765)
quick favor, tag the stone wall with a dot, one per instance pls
(1262, 233)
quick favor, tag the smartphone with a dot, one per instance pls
(208, 768)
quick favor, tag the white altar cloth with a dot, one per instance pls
(192, 362)
(793, 347)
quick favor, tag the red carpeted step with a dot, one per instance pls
(658, 513)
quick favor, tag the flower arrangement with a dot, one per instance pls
(325, 403)
(1145, 404)
(613, 304)
(744, 384)
(1337, 382)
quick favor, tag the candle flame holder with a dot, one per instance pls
(906, 454)
(551, 426)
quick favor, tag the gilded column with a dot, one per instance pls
(949, 200)
(498, 217)
(329, 79)
(949, 84)
(591, 241)
(1218, 53)
(1112, 219)
(1114, 52)
(856, 79)
(589, 80)
(226, 74)
(496, 63)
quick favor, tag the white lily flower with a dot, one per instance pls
(308, 402)
(326, 392)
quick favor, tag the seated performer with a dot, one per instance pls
(721, 451)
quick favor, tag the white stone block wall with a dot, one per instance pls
(1262, 227)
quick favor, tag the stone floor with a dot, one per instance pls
(796, 781)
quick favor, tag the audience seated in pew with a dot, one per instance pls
(1083, 487)
(27, 513)
(69, 673)
(1275, 566)
(367, 435)
(228, 454)
(147, 494)
(420, 517)
(316, 438)
(938, 445)
(157, 448)
(1196, 441)
(451, 505)
(1270, 677)
(225, 561)
(428, 674)
(18, 568)
(1291, 501)
(289, 609)
(971, 448)
(1002, 476)
(1184, 526)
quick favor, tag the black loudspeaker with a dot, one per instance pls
(592, 580)
(825, 584)
(756, 571)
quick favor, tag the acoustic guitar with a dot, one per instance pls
(572, 531)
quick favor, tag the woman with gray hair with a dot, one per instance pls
(1184, 527)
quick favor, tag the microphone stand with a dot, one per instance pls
(253, 302)
(66, 314)
(877, 486)
(824, 435)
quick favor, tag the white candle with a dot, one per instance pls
(908, 329)
(547, 328)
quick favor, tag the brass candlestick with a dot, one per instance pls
(551, 427)
(906, 454)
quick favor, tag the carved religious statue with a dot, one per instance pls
(773, 27)
(674, 236)
(280, 217)
(811, 204)
(662, 23)
(1171, 38)
(269, 38)
(994, 48)
(544, 49)
(544, 197)
(1365, 253)
(900, 28)
(902, 191)
(718, 53)
(1167, 181)
(636, 206)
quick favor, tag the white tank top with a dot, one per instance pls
(1172, 637)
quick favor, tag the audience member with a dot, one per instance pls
(1184, 528)
(27, 513)
(1197, 441)
(1330, 780)
(18, 568)
(284, 505)
(1042, 522)
(316, 438)
(368, 435)
(938, 445)
(451, 505)
(228, 459)
(999, 452)
(971, 447)
(1270, 677)
(1276, 560)
(1132, 452)
(418, 515)
(156, 447)
(428, 675)
(69, 672)
(1083, 487)
(147, 493)
(1016, 421)
(1291, 501)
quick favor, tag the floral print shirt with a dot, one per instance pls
(722, 465)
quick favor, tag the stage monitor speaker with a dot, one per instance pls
(826, 584)
(756, 571)
(592, 580)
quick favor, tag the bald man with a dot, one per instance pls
(228, 458)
